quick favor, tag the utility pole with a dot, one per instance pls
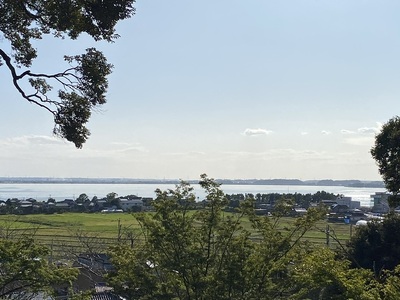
(327, 235)
(119, 230)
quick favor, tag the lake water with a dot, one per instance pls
(42, 192)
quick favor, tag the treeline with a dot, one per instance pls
(112, 201)
(298, 199)
(81, 204)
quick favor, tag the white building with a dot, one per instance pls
(347, 201)
(128, 204)
(381, 204)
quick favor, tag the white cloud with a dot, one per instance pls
(48, 147)
(32, 140)
(364, 130)
(368, 130)
(345, 131)
(256, 132)
(130, 149)
(324, 132)
(304, 133)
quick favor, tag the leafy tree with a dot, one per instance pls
(111, 196)
(386, 152)
(323, 275)
(82, 198)
(376, 246)
(322, 195)
(83, 85)
(391, 285)
(113, 200)
(208, 254)
(258, 197)
(25, 271)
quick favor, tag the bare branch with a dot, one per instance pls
(15, 77)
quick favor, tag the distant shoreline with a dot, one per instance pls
(286, 182)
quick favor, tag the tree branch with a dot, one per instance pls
(15, 78)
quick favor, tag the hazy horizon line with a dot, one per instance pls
(174, 179)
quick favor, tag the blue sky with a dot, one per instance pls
(234, 89)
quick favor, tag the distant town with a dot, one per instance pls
(325, 182)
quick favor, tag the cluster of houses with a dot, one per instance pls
(344, 209)
(341, 209)
(31, 206)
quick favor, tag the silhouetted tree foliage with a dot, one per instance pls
(83, 85)
(82, 198)
(386, 152)
(376, 246)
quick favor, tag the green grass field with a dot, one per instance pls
(110, 225)
(70, 233)
(102, 225)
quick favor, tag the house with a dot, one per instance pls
(62, 205)
(339, 208)
(96, 261)
(69, 201)
(328, 202)
(101, 203)
(131, 204)
(342, 200)
(92, 270)
(25, 204)
(299, 211)
(356, 215)
(342, 213)
(108, 295)
(349, 202)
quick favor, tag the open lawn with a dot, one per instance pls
(97, 224)
(70, 233)
(110, 225)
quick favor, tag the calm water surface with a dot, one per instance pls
(42, 192)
